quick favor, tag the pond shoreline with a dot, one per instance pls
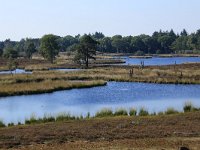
(154, 129)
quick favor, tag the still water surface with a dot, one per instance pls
(160, 61)
(154, 97)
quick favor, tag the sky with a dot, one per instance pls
(34, 18)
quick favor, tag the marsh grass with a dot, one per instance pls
(189, 107)
(133, 112)
(49, 81)
(121, 112)
(143, 112)
(106, 112)
(171, 111)
(47, 86)
(65, 117)
(2, 124)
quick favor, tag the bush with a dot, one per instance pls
(121, 112)
(133, 112)
(143, 112)
(104, 113)
(171, 111)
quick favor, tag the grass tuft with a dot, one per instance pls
(133, 112)
(121, 112)
(2, 124)
(171, 111)
(143, 112)
(104, 113)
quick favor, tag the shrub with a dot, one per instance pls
(171, 111)
(104, 113)
(121, 112)
(143, 112)
(133, 112)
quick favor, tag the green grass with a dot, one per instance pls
(133, 112)
(143, 112)
(104, 113)
(121, 112)
(2, 124)
(171, 111)
(188, 107)
(65, 117)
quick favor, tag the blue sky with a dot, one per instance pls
(34, 18)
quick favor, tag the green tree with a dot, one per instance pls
(117, 43)
(180, 44)
(30, 49)
(10, 53)
(49, 47)
(184, 33)
(85, 50)
(98, 35)
(1, 52)
(66, 42)
(105, 45)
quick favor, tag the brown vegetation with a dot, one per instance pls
(152, 132)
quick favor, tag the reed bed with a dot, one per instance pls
(46, 86)
(36, 82)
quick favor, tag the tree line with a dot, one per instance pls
(160, 42)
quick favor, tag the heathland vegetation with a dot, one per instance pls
(43, 56)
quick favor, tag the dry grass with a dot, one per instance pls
(48, 80)
(45, 86)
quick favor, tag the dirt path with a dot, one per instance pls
(167, 132)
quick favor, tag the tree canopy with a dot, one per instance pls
(49, 47)
(85, 50)
(160, 42)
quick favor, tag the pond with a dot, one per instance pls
(154, 97)
(160, 60)
(16, 71)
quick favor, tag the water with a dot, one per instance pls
(160, 61)
(22, 71)
(154, 97)
(16, 71)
